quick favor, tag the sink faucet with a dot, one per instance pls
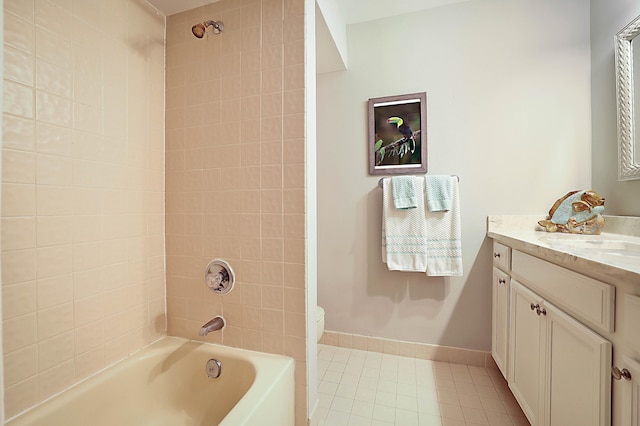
(215, 324)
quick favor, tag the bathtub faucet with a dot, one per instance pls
(215, 324)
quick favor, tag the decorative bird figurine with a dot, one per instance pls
(578, 212)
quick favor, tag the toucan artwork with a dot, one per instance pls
(397, 134)
(403, 147)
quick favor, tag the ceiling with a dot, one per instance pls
(354, 10)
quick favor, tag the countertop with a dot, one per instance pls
(581, 253)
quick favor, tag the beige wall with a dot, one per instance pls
(508, 110)
(235, 176)
(82, 190)
(607, 18)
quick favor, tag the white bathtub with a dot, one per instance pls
(166, 384)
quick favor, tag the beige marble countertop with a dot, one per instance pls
(593, 255)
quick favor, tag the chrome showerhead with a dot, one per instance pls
(199, 30)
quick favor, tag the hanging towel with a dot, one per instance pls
(404, 235)
(417, 240)
(444, 242)
(438, 192)
(404, 192)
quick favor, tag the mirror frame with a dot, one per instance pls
(628, 168)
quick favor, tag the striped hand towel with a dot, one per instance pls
(404, 231)
(444, 241)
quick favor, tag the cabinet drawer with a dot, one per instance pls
(587, 299)
(501, 256)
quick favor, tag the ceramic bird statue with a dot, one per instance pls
(578, 212)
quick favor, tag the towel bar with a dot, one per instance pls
(381, 179)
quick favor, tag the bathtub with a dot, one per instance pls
(167, 384)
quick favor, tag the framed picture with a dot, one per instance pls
(398, 134)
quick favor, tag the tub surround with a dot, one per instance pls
(519, 232)
(83, 265)
(235, 177)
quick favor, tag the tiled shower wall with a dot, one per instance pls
(235, 176)
(82, 190)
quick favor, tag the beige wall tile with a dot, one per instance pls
(91, 336)
(21, 396)
(53, 200)
(18, 200)
(18, 166)
(55, 320)
(55, 140)
(232, 203)
(18, 133)
(54, 170)
(19, 332)
(53, 18)
(18, 66)
(55, 350)
(55, 379)
(85, 182)
(18, 266)
(294, 324)
(52, 261)
(18, 233)
(15, 35)
(20, 365)
(89, 363)
(53, 78)
(23, 9)
(55, 291)
(18, 299)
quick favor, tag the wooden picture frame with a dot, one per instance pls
(398, 134)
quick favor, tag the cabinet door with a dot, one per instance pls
(500, 319)
(634, 397)
(578, 373)
(526, 344)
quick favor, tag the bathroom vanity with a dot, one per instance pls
(566, 320)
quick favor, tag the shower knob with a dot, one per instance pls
(219, 276)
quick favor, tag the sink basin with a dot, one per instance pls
(601, 248)
(622, 248)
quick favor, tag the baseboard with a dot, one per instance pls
(410, 349)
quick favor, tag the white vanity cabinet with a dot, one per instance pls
(573, 346)
(546, 322)
(559, 369)
(500, 311)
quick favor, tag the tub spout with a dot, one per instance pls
(215, 324)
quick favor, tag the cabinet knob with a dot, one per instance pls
(502, 281)
(496, 255)
(534, 307)
(620, 374)
(542, 311)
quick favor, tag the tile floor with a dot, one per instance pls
(369, 388)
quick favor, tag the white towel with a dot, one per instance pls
(404, 235)
(444, 243)
(416, 240)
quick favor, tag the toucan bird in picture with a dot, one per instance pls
(404, 129)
